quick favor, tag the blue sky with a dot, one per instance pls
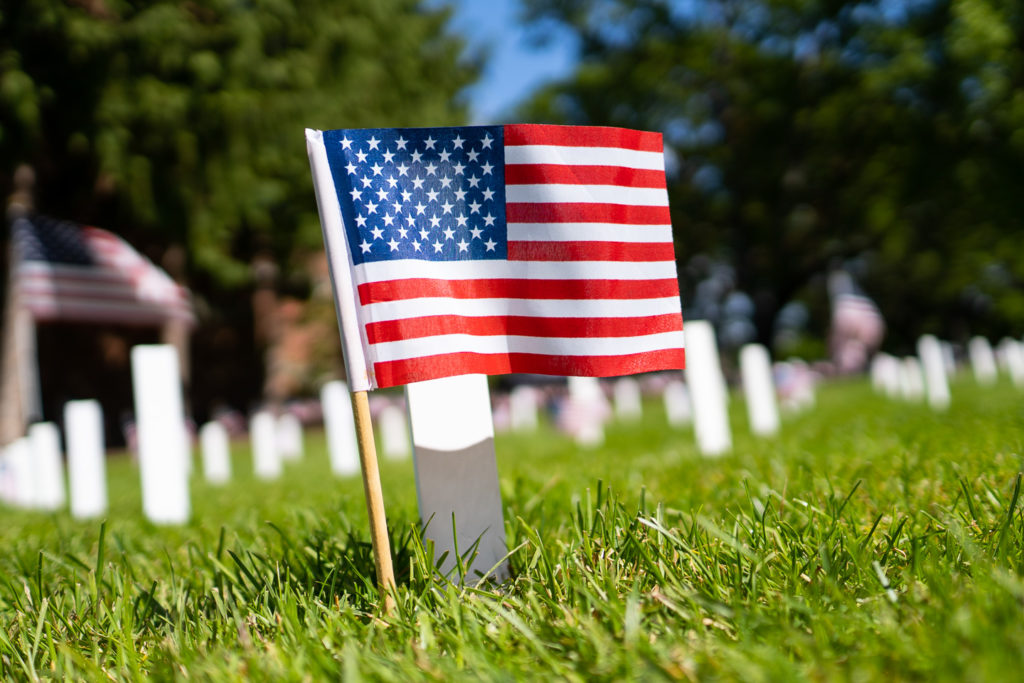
(516, 65)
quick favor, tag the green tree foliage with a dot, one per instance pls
(807, 133)
(181, 122)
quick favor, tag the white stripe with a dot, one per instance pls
(353, 333)
(375, 271)
(56, 270)
(36, 284)
(588, 232)
(553, 193)
(63, 305)
(584, 156)
(554, 346)
(539, 308)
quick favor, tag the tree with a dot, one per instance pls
(809, 134)
(181, 122)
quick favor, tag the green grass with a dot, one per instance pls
(873, 539)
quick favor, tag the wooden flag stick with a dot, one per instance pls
(374, 499)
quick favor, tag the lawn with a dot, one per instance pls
(872, 539)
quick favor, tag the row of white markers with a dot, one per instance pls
(926, 375)
(32, 471)
(449, 421)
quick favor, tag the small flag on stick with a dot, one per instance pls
(492, 250)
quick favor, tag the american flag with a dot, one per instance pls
(857, 325)
(75, 273)
(500, 249)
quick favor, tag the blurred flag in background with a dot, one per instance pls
(68, 272)
(857, 326)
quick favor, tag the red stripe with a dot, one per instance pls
(579, 212)
(535, 174)
(498, 325)
(583, 136)
(591, 251)
(398, 372)
(418, 288)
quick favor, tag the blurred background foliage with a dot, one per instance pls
(884, 136)
(181, 122)
(179, 125)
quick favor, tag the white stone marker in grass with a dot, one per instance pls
(266, 459)
(456, 472)
(340, 428)
(47, 466)
(522, 407)
(935, 381)
(289, 437)
(394, 433)
(589, 408)
(678, 407)
(216, 452)
(877, 371)
(19, 458)
(948, 358)
(983, 360)
(8, 484)
(1015, 363)
(164, 450)
(887, 370)
(87, 465)
(759, 390)
(912, 379)
(707, 389)
(628, 404)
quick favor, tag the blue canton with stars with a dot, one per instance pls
(435, 194)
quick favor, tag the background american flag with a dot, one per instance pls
(499, 249)
(75, 273)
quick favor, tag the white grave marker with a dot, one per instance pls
(19, 458)
(522, 405)
(213, 440)
(289, 437)
(8, 483)
(983, 360)
(759, 390)
(888, 372)
(628, 405)
(1015, 363)
(341, 429)
(588, 410)
(878, 380)
(912, 379)
(704, 377)
(948, 358)
(677, 404)
(266, 459)
(935, 380)
(87, 465)
(394, 433)
(164, 451)
(456, 472)
(47, 466)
